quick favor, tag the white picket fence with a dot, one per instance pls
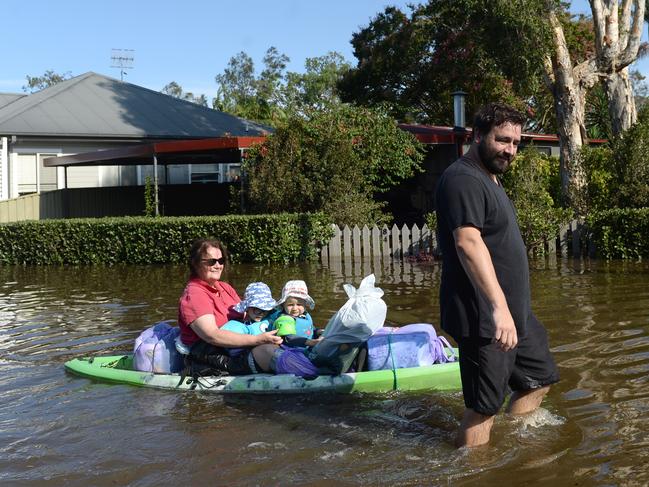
(399, 243)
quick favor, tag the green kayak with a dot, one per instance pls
(118, 368)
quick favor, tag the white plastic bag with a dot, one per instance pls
(362, 314)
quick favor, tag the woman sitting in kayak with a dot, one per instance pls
(206, 304)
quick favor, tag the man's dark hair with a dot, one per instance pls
(493, 115)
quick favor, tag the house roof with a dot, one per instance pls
(7, 98)
(93, 105)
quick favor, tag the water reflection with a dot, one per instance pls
(591, 430)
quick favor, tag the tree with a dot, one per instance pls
(334, 161)
(618, 31)
(316, 88)
(49, 78)
(276, 94)
(616, 45)
(414, 62)
(175, 90)
(243, 94)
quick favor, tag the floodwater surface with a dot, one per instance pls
(66, 430)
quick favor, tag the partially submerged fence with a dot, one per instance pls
(400, 243)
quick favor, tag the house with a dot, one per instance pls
(85, 147)
(92, 112)
(415, 197)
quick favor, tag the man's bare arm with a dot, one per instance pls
(476, 261)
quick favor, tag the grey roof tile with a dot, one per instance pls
(93, 105)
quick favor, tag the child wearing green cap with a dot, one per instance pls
(292, 321)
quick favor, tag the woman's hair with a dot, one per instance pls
(495, 115)
(197, 251)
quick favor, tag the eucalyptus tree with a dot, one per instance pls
(175, 90)
(47, 79)
(500, 49)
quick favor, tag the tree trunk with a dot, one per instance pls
(618, 30)
(568, 86)
(621, 103)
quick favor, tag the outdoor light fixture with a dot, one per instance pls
(459, 119)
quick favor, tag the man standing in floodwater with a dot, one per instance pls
(485, 292)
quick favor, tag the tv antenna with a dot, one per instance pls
(122, 59)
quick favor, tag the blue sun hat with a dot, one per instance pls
(257, 295)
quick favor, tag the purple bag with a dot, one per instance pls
(412, 345)
(293, 361)
(155, 350)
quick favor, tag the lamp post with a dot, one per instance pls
(459, 119)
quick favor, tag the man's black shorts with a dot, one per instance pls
(488, 373)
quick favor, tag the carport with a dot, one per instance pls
(176, 152)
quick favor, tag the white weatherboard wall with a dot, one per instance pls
(4, 169)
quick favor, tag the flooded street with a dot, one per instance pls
(67, 430)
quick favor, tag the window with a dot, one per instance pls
(205, 173)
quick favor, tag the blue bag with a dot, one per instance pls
(155, 350)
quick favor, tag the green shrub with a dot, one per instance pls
(141, 240)
(620, 233)
(149, 197)
(333, 161)
(631, 160)
(529, 184)
(600, 192)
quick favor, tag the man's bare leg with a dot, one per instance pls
(475, 429)
(523, 402)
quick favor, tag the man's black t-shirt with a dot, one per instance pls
(467, 196)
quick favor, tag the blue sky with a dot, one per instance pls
(187, 41)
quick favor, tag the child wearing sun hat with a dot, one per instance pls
(291, 319)
(256, 305)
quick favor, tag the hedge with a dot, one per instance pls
(146, 240)
(620, 233)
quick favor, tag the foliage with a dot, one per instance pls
(275, 95)
(243, 94)
(601, 185)
(431, 221)
(175, 90)
(316, 88)
(528, 184)
(631, 163)
(617, 174)
(333, 162)
(142, 240)
(49, 78)
(598, 119)
(620, 233)
(149, 197)
(414, 62)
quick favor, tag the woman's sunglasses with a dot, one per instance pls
(211, 262)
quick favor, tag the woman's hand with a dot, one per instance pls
(269, 337)
(205, 327)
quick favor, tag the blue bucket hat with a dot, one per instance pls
(257, 295)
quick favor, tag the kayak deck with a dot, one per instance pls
(118, 368)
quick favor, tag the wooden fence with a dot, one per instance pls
(21, 208)
(401, 243)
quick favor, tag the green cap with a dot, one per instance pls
(285, 325)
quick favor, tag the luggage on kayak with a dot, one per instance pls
(155, 350)
(412, 345)
(362, 314)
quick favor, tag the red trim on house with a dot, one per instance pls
(166, 150)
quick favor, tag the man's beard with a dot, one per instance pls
(495, 162)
